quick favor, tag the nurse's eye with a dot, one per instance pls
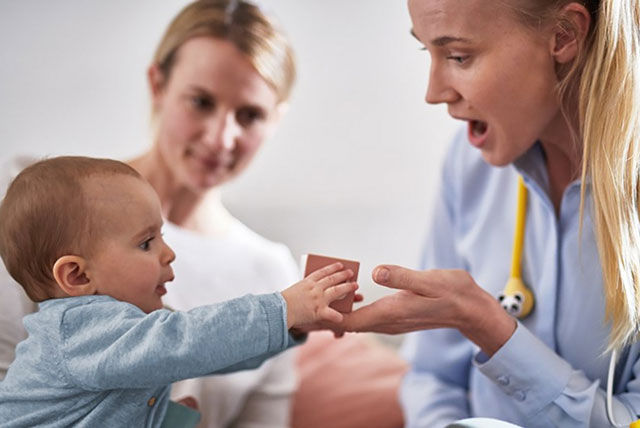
(247, 116)
(458, 59)
(146, 244)
(202, 103)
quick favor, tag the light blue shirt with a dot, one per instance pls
(94, 361)
(553, 370)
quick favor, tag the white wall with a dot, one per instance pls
(351, 171)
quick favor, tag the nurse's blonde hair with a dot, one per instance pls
(604, 83)
(243, 24)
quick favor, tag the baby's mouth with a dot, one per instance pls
(161, 290)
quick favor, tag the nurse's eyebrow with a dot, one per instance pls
(443, 40)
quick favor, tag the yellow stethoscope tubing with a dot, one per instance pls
(518, 236)
(516, 259)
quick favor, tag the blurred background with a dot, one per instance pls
(353, 168)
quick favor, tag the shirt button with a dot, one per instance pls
(503, 380)
(151, 401)
(519, 395)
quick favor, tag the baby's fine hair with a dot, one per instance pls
(45, 215)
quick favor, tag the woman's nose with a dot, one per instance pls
(221, 132)
(439, 90)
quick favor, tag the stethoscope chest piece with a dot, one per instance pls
(516, 298)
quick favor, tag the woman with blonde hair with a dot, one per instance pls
(550, 92)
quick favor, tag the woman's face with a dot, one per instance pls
(492, 72)
(212, 113)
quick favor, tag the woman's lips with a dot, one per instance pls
(477, 132)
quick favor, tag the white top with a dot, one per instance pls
(207, 270)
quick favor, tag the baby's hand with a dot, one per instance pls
(308, 300)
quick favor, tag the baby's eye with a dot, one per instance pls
(146, 245)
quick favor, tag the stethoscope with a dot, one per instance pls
(517, 299)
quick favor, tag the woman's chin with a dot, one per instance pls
(204, 182)
(494, 158)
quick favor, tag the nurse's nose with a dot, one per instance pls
(221, 132)
(439, 89)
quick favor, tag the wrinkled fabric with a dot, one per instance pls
(95, 361)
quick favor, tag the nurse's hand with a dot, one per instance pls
(434, 299)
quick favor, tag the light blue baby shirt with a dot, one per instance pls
(94, 361)
(552, 371)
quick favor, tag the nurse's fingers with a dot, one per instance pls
(398, 277)
(427, 283)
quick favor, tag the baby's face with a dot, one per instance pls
(131, 261)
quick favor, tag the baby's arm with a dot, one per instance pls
(110, 344)
(308, 300)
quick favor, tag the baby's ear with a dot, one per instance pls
(70, 274)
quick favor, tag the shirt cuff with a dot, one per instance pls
(527, 370)
(275, 308)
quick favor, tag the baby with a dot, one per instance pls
(83, 237)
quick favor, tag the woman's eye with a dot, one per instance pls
(459, 59)
(146, 245)
(249, 115)
(202, 103)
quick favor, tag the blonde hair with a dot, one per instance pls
(45, 215)
(604, 83)
(245, 26)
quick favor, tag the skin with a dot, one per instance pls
(133, 262)
(212, 114)
(509, 83)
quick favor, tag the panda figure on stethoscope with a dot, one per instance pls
(516, 299)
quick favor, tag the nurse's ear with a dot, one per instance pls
(570, 32)
(70, 273)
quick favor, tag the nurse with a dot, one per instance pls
(549, 91)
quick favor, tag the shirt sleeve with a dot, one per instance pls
(106, 347)
(434, 391)
(549, 390)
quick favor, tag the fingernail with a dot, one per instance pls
(382, 275)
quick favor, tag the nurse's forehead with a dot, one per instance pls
(439, 22)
